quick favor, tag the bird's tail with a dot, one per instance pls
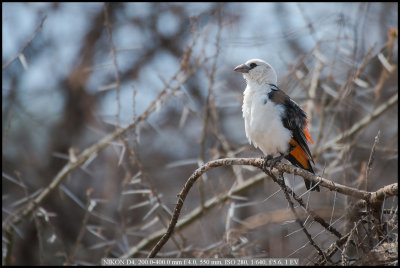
(299, 158)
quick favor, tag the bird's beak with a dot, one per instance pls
(243, 68)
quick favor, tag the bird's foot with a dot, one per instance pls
(266, 158)
(274, 161)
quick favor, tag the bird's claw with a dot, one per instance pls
(266, 158)
(274, 161)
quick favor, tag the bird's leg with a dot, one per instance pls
(266, 158)
(272, 163)
(279, 158)
(275, 160)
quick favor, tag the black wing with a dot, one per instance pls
(294, 118)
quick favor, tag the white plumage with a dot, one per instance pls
(262, 117)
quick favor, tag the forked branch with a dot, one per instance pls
(370, 197)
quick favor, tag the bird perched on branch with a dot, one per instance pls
(274, 122)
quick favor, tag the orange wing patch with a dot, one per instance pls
(299, 154)
(307, 134)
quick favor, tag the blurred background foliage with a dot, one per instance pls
(74, 72)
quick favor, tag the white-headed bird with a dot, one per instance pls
(274, 122)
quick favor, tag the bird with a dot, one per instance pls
(274, 123)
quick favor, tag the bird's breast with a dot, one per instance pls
(263, 123)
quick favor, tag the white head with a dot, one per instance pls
(258, 71)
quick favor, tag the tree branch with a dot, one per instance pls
(360, 124)
(89, 152)
(26, 44)
(257, 162)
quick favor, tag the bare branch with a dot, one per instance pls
(371, 159)
(26, 44)
(257, 162)
(360, 124)
(94, 149)
(196, 213)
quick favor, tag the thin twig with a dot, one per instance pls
(26, 44)
(360, 124)
(371, 159)
(310, 239)
(196, 213)
(82, 231)
(163, 96)
(346, 245)
(114, 52)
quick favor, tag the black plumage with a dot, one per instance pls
(294, 119)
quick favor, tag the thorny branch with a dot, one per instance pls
(26, 44)
(197, 213)
(360, 124)
(93, 150)
(378, 196)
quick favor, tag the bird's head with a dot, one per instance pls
(258, 71)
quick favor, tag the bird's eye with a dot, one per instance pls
(252, 65)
